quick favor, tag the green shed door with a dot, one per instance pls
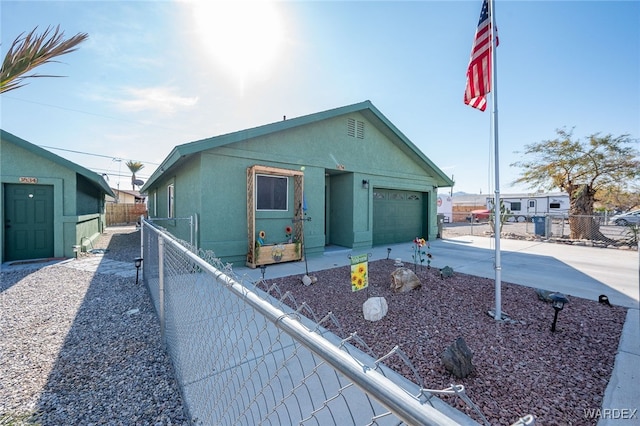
(397, 216)
(28, 222)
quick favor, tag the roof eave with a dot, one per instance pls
(94, 177)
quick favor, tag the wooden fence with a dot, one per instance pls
(124, 213)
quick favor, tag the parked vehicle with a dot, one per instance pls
(522, 206)
(624, 219)
(478, 215)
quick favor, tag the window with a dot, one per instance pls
(155, 203)
(553, 205)
(170, 201)
(532, 204)
(272, 192)
(516, 206)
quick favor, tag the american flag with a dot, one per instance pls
(479, 70)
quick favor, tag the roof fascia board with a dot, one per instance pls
(191, 148)
(35, 149)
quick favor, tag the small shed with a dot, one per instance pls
(49, 204)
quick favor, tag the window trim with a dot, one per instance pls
(171, 200)
(155, 203)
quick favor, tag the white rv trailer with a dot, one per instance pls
(538, 203)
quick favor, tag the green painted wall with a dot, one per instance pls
(88, 199)
(213, 184)
(16, 162)
(187, 185)
(341, 217)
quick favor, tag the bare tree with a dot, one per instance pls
(582, 169)
(32, 50)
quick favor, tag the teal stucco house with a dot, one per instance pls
(49, 204)
(343, 177)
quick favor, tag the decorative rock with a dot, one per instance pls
(457, 359)
(544, 295)
(447, 272)
(403, 280)
(307, 280)
(398, 262)
(375, 308)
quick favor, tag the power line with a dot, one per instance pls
(95, 155)
(140, 123)
(116, 173)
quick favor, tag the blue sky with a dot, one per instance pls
(155, 74)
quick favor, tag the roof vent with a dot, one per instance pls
(355, 128)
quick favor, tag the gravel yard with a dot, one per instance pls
(83, 348)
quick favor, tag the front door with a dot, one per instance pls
(28, 222)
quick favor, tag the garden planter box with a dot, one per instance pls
(276, 253)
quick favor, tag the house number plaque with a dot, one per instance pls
(28, 180)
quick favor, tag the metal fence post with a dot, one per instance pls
(191, 230)
(161, 287)
(196, 231)
(142, 243)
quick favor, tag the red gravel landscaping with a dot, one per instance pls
(521, 367)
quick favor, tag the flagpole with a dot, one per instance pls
(494, 129)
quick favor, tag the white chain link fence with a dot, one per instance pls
(242, 356)
(594, 231)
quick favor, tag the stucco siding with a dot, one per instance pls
(88, 200)
(337, 151)
(17, 162)
(326, 144)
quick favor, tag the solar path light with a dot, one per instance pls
(558, 300)
(138, 263)
(263, 269)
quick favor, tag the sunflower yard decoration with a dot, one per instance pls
(359, 272)
(262, 236)
(269, 252)
(421, 252)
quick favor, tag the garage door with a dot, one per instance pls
(397, 216)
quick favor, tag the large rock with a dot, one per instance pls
(404, 279)
(375, 308)
(457, 359)
(544, 295)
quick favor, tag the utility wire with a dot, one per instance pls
(96, 155)
(140, 123)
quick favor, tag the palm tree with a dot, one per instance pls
(135, 167)
(28, 52)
